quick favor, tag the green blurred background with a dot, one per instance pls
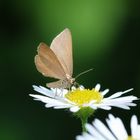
(106, 37)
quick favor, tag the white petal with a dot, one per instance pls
(103, 129)
(105, 107)
(119, 93)
(85, 136)
(128, 90)
(81, 87)
(90, 129)
(93, 132)
(44, 91)
(126, 98)
(80, 138)
(132, 104)
(93, 106)
(122, 106)
(134, 125)
(116, 130)
(97, 87)
(57, 104)
(74, 109)
(120, 100)
(138, 132)
(59, 92)
(101, 105)
(50, 102)
(117, 127)
(62, 107)
(44, 99)
(105, 92)
(116, 104)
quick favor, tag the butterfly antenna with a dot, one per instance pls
(86, 71)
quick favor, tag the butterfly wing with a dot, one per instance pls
(62, 47)
(57, 84)
(47, 63)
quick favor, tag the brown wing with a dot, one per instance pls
(59, 84)
(47, 63)
(62, 47)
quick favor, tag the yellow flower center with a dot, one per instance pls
(130, 138)
(85, 96)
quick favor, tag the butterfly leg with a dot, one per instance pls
(77, 85)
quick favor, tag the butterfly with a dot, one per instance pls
(56, 61)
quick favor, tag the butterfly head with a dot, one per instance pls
(70, 79)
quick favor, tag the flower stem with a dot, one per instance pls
(84, 120)
(84, 113)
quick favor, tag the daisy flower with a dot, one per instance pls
(115, 130)
(78, 98)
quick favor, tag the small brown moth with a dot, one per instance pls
(56, 61)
